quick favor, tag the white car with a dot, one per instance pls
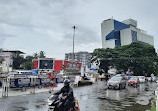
(141, 79)
(149, 79)
(153, 78)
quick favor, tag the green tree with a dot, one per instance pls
(35, 55)
(29, 58)
(17, 60)
(104, 57)
(1, 58)
(27, 65)
(140, 58)
(41, 54)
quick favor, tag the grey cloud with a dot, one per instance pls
(83, 36)
(86, 35)
(3, 37)
(40, 13)
(51, 21)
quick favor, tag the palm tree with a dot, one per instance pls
(35, 55)
(42, 54)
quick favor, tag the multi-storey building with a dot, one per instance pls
(115, 33)
(82, 57)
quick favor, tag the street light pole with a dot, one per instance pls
(74, 27)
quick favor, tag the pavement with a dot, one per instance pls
(30, 90)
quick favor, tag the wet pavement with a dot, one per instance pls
(95, 97)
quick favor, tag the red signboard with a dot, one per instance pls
(58, 65)
(35, 64)
(66, 65)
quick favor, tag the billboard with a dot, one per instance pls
(46, 64)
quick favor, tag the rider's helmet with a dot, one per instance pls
(66, 83)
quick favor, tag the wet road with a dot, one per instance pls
(91, 98)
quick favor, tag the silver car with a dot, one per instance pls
(118, 82)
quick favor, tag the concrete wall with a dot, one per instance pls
(7, 61)
(106, 27)
(130, 22)
(125, 36)
(110, 43)
(7, 57)
(145, 38)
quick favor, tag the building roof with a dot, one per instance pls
(14, 51)
(107, 19)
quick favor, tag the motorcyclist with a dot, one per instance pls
(67, 94)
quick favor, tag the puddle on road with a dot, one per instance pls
(40, 103)
(129, 99)
(16, 108)
(138, 107)
(91, 98)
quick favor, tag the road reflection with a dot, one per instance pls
(120, 100)
(95, 97)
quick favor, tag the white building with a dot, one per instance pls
(6, 65)
(115, 33)
(8, 61)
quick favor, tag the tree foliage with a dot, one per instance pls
(104, 57)
(140, 58)
(27, 65)
(1, 58)
(41, 54)
(17, 60)
(20, 61)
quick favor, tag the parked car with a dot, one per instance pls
(141, 79)
(118, 82)
(123, 75)
(133, 81)
(153, 79)
(148, 79)
(156, 80)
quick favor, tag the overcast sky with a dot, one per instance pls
(35, 25)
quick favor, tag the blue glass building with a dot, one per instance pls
(115, 33)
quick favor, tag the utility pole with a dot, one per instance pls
(74, 27)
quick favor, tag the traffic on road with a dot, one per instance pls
(96, 97)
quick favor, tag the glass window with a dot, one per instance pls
(134, 36)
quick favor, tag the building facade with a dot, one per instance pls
(115, 33)
(7, 63)
(83, 57)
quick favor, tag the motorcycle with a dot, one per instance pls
(56, 104)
